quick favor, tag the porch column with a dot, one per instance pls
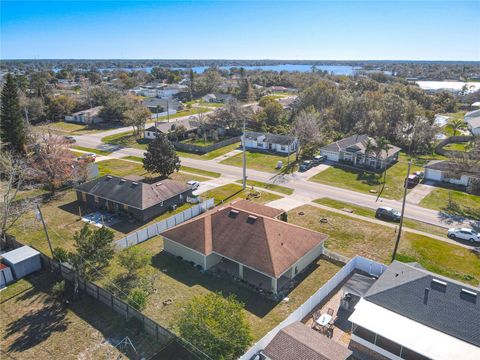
(240, 271)
(274, 285)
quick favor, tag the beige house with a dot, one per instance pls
(247, 240)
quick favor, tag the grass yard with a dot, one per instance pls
(350, 237)
(273, 187)
(212, 154)
(468, 204)
(261, 161)
(34, 326)
(179, 281)
(457, 147)
(365, 181)
(188, 112)
(95, 151)
(229, 192)
(363, 211)
(66, 128)
(126, 139)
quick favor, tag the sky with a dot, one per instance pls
(316, 30)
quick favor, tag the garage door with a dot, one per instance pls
(332, 156)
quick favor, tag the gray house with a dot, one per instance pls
(133, 198)
(353, 150)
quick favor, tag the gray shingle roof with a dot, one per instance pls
(299, 342)
(358, 143)
(135, 194)
(269, 138)
(166, 127)
(446, 308)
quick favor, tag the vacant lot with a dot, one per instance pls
(363, 211)
(127, 139)
(179, 281)
(230, 192)
(351, 237)
(95, 151)
(366, 181)
(468, 204)
(261, 161)
(35, 326)
(212, 154)
(268, 186)
(65, 128)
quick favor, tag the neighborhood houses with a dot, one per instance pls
(88, 116)
(270, 142)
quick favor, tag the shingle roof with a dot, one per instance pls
(402, 288)
(135, 194)
(250, 206)
(258, 241)
(358, 143)
(166, 127)
(270, 138)
(299, 342)
(450, 166)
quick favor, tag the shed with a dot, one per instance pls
(22, 261)
(6, 276)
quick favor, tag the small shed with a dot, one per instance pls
(22, 261)
(6, 276)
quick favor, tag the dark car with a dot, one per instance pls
(387, 213)
(70, 139)
(317, 160)
(413, 180)
(307, 164)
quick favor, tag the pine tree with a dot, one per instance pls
(161, 157)
(12, 125)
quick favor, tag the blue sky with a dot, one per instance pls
(410, 30)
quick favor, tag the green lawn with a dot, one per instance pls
(212, 154)
(179, 281)
(261, 161)
(366, 181)
(126, 139)
(96, 151)
(188, 112)
(35, 326)
(350, 237)
(468, 204)
(229, 192)
(66, 128)
(273, 187)
(363, 211)
(457, 147)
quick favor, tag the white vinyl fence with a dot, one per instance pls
(159, 227)
(357, 263)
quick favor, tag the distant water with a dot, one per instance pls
(449, 85)
(335, 69)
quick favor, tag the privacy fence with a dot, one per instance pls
(159, 227)
(204, 149)
(357, 263)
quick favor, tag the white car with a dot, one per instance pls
(194, 184)
(464, 234)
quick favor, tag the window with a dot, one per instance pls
(365, 334)
(283, 148)
(259, 144)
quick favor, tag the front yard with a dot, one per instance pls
(67, 128)
(350, 237)
(468, 204)
(229, 192)
(35, 326)
(365, 181)
(261, 161)
(179, 281)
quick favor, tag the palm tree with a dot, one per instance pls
(381, 144)
(456, 124)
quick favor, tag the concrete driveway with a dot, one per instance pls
(419, 192)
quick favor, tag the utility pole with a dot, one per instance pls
(405, 185)
(244, 158)
(168, 113)
(40, 216)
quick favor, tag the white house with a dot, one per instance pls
(473, 121)
(354, 151)
(166, 127)
(89, 116)
(445, 171)
(271, 142)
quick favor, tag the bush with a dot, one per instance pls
(60, 254)
(137, 299)
(59, 289)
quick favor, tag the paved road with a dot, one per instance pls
(304, 189)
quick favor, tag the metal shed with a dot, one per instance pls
(22, 261)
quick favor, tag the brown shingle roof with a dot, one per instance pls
(299, 342)
(250, 206)
(257, 241)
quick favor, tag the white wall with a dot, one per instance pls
(431, 174)
(212, 260)
(330, 155)
(301, 264)
(186, 253)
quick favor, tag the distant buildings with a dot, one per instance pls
(218, 98)
(284, 144)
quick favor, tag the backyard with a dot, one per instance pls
(261, 161)
(179, 281)
(35, 326)
(464, 204)
(366, 181)
(350, 237)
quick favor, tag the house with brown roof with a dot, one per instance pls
(248, 241)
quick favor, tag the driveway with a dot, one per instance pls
(419, 192)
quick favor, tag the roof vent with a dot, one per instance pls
(438, 285)
(425, 295)
(122, 181)
(469, 295)
(134, 184)
(233, 213)
(158, 184)
(251, 219)
(109, 177)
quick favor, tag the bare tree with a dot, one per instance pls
(14, 174)
(52, 162)
(306, 127)
(137, 118)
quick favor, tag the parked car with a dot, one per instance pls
(464, 234)
(70, 139)
(194, 184)
(413, 180)
(306, 164)
(318, 159)
(420, 174)
(387, 213)
(89, 157)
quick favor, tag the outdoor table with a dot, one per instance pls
(323, 320)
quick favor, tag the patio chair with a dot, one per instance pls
(330, 311)
(330, 331)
